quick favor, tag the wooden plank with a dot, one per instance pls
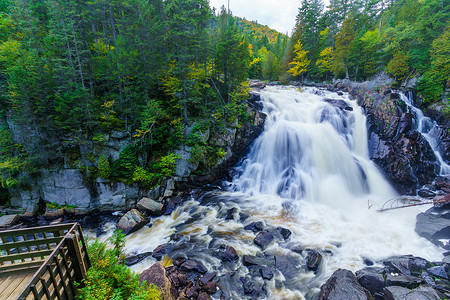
(29, 243)
(14, 286)
(22, 256)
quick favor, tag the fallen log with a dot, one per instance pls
(441, 201)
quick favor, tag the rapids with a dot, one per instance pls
(308, 172)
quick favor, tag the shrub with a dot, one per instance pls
(104, 169)
(110, 278)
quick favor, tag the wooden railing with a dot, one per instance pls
(57, 254)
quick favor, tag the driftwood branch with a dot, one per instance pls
(442, 201)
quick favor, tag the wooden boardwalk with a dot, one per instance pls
(42, 262)
(12, 286)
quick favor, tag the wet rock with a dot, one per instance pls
(192, 292)
(176, 237)
(287, 265)
(207, 277)
(192, 266)
(420, 293)
(266, 273)
(161, 250)
(434, 224)
(341, 104)
(285, 233)
(405, 264)
(371, 279)
(179, 279)
(210, 287)
(179, 261)
(439, 271)
(255, 226)
(150, 206)
(156, 274)
(263, 239)
(203, 296)
(342, 285)
(368, 261)
(132, 260)
(313, 260)
(8, 220)
(229, 254)
(230, 213)
(409, 282)
(131, 221)
(426, 193)
(249, 261)
(243, 217)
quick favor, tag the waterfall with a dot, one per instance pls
(313, 147)
(425, 126)
(308, 172)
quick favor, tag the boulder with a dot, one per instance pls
(150, 206)
(287, 265)
(161, 250)
(8, 220)
(229, 254)
(134, 259)
(313, 260)
(405, 264)
(255, 226)
(434, 224)
(406, 281)
(371, 279)
(266, 273)
(263, 239)
(420, 293)
(439, 271)
(285, 233)
(192, 266)
(342, 285)
(132, 221)
(207, 277)
(156, 274)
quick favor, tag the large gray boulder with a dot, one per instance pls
(342, 285)
(131, 221)
(8, 220)
(150, 206)
(157, 275)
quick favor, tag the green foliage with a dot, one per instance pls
(55, 205)
(123, 168)
(104, 169)
(168, 164)
(300, 62)
(110, 278)
(398, 66)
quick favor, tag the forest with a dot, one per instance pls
(75, 71)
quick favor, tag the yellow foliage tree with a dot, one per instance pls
(300, 62)
(325, 61)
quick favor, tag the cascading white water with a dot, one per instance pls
(425, 126)
(308, 172)
(310, 147)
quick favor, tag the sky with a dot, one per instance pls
(277, 14)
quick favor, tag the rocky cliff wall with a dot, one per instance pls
(402, 153)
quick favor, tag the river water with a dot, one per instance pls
(308, 172)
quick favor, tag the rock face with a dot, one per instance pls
(402, 153)
(69, 187)
(434, 224)
(131, 221)
(156, 274)
(342, 285)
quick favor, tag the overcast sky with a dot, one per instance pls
(278, 14)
